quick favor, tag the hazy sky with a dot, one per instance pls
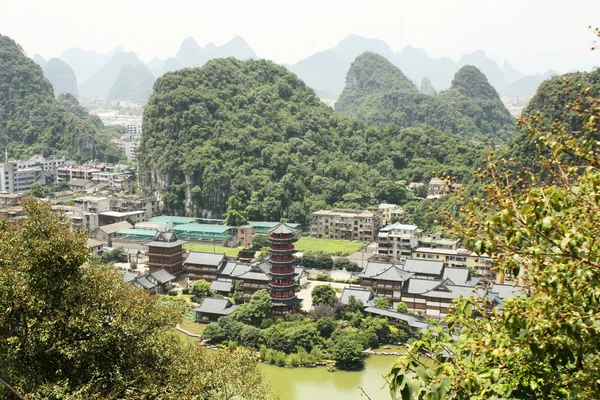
(534, 35)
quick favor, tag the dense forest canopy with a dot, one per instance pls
(32, 121)
(254, 130)
(378, 93)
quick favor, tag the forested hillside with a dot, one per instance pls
(254, 130)
(33, 121)
(553, 101)
(378, 93)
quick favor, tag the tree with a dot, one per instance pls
(37, 190)
(60, 186)
(235, 214)
(326, 326)
(201, 288)
(355, 305)
(382, 302)
(257, 311)
(542, 228)
(259, 241)
(323, 294)
(116, 255)
(347, 352)
(341, 263)
(74, 332)
(402, 307)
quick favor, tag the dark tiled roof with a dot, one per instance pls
(213, 305)
(221, 286)
(79, 182)
(255, 276)
(374, 268)
(459, 276)
(423, 267)
(165, 237)
(359, 293)
(133, 252)
(162, 275)
(505, 291)
(393, 274)
(144, 282)
(199, 258)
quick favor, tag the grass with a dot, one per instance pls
(208, 248)
(329, 246)
(193, 327)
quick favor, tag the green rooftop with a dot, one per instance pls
(137, 232)
(163, 219)
(201, 228)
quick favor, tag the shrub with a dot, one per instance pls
(214, 333)
(292, 360)
(323, 277)
(185, 291)
(353, 267)
(263, 352)
(172, 292)
(341, 263)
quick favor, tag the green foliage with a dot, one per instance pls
(37, 190)
(402, 308)
(253, 130)
(201, 288)
(544, 343)
(355, 305)
(326, 326)
(378, 92)
(32, 121)
(316, 260)
(347, 352)
(235, 214)
(257, 311)
(382, 302)
(323, 294)
(353, 267)
(60, 187)
(259, 241)
(341, 263)
(116, 255)
(323, 277)
(73, 332)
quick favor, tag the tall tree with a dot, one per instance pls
(73, 332)
(546, 342)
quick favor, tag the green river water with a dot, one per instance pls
(318, 383)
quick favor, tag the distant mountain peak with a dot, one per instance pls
(354, 45)
(39, 60)
(373, 72)
(471, 82)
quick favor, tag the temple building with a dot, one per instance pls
(281, 273)
(166, 251)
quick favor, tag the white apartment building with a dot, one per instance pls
(46, 164)
(397, 240)
(346, 224)
(18, 180)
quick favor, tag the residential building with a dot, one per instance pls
(49, 165)
(438, 187)
(19, 180)
(148, 204)
(111, 217)
(460, 258)
(107, 233)
(10, 199)
(68, 173)
(346, 224)
(244, 235)
(95, 246)
(165, 251)
(80, 185)
(389, 212)
(61, 196)
(212, 309)
(397, 241)
(92, 204)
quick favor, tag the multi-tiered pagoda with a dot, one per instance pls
(282, 284)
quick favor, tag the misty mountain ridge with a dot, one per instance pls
(61, 76)
(100, 84)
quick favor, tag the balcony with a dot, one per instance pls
(281, 271)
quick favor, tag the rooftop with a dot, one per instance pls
(346, 213)
(282, 229)
(206, 228)
(79, 182)
(213, 305)
(174, 219)
(118, 214)
(138, 232)
(221, 286)
(398, 227)
(359, 293)
(199, 258)
(117, 227)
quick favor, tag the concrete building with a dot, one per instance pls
(49, 165)
(80, 185)
(95, 246)
(244, 235)
(397, 241)
(107, 233)
(10, 199)
(389, 212)
(458, 258)
(346, 224)
(438, 187)
(18, 180)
